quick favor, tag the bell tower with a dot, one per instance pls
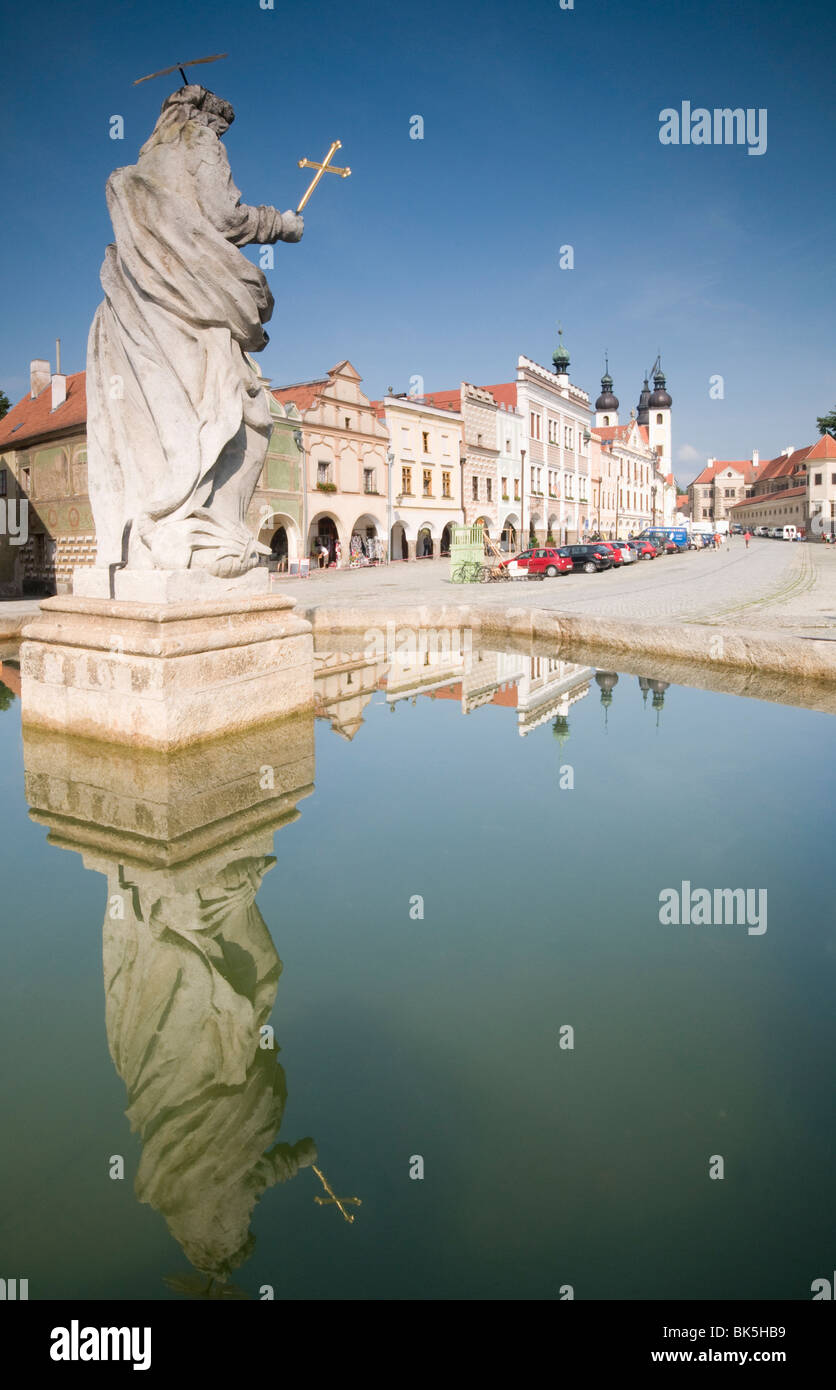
(659, 419)
(606, 406)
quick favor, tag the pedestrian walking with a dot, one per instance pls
(747, 538)
(716, 540)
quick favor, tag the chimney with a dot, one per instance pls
(59, 390)
(756, 458)
(790, 449)
(39, 375)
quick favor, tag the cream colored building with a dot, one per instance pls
(556, 488)
(425, 444)
(345, 447)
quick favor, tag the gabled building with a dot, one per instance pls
(345, 447)
(722, 484)
(478, 409)
(43, 462)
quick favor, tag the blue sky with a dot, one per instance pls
(440, 257)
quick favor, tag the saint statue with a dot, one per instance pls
(178, 424)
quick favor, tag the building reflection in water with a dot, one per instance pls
(441, 666)
(190, 968)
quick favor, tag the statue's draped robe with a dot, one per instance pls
(176, 419)
(190, 979)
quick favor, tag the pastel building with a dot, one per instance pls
(345, 447)
(556, 472)
(425, 449)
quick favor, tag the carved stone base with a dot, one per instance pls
(166, 586)
(164, 675)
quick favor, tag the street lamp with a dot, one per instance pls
(586, 437)
(300, 445)
(390, 459)
(522, 542)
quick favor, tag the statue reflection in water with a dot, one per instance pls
(190, 982)
(190, 969)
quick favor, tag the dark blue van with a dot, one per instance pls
(677, 534)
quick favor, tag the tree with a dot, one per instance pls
(827, 423)
(5, 404)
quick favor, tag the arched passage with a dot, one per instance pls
(509, 532)
(446, 539)
(399, 549)
(323, 540)
(424, 547)
(280, 533)
(365, 546)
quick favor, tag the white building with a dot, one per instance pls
(426, 486)
(633, 485)
(555, 419)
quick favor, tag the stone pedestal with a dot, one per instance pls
(166, 586)
(164, 675)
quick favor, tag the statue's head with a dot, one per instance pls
(203, 106)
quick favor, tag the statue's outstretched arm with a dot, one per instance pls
(239, 223)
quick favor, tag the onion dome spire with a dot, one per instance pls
(606, 400)
(560, 356)
(659, 395)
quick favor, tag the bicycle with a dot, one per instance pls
(468, 572)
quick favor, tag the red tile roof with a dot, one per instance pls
(379, 407)
(824, 449)
(36, 417)
(504, 394)
(621, 432)
(303, 394)
(783, 466)
(445, 400)
(770, 497)
(751, 474)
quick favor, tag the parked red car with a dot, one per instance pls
(615, 551)
(645, 550)
(544, 561)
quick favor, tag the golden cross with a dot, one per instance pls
(338, 1201)
(325, 167)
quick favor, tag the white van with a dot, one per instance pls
(789, 532)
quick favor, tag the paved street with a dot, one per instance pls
(774, 586)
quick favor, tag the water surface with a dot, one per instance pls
(416, 890)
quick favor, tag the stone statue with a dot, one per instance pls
(177, 423)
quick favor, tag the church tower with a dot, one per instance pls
(606, 406)
(659, 419)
